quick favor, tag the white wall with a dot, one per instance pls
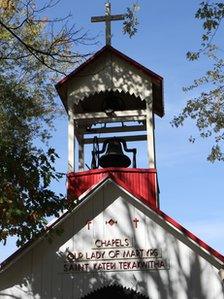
(40, 272)
(107, 73)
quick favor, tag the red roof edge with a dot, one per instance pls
(183, 230)
(107, 170)
(9, 259)
(79, 68)
(162, 214)
(167, 218)
(145, 70)
(190, 235)
(156, 79)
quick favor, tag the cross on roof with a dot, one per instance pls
(107, 19)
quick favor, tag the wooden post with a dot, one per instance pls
(81, 153)
(150, 130)
(108, 23)
(154, 144)
(71, 138)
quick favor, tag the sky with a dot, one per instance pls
(191, 188)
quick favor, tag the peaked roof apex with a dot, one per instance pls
(84, 197)
(157, 80)
(107, 48)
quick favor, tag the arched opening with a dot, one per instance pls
(114, 292)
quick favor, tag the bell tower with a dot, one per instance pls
(116, 242)
(111, 101)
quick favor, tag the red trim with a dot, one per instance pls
(109, 169)
(139, 182)
(189, 234)
(113, 173)
(29, 243)
(167, 218)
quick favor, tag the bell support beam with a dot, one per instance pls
(88, 122)
(88, 119)
(81, 121)
(114, 115)
(126, 138)
(124, 128)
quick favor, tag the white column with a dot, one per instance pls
(81, 153)
(154, 143)
(150, 131)
(71, 138)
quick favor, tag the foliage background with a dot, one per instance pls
(191, 188)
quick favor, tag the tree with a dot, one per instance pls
(32, 54)
(26, 172)
(207, 109)
(131, 21)
(34, 50)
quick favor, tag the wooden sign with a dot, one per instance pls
(114, 255)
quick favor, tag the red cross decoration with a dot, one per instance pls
(136, 222)
(88, 222)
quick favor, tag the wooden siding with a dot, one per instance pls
(158, 102)
(40, 273)
(140, 182)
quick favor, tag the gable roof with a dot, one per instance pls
(157, 80)
(180, 232)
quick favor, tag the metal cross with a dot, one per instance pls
(107, 19)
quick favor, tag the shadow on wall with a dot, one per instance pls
(114, 291)
(40, 273)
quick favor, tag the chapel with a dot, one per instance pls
(116, 242)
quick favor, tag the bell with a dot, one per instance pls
(114, 156)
